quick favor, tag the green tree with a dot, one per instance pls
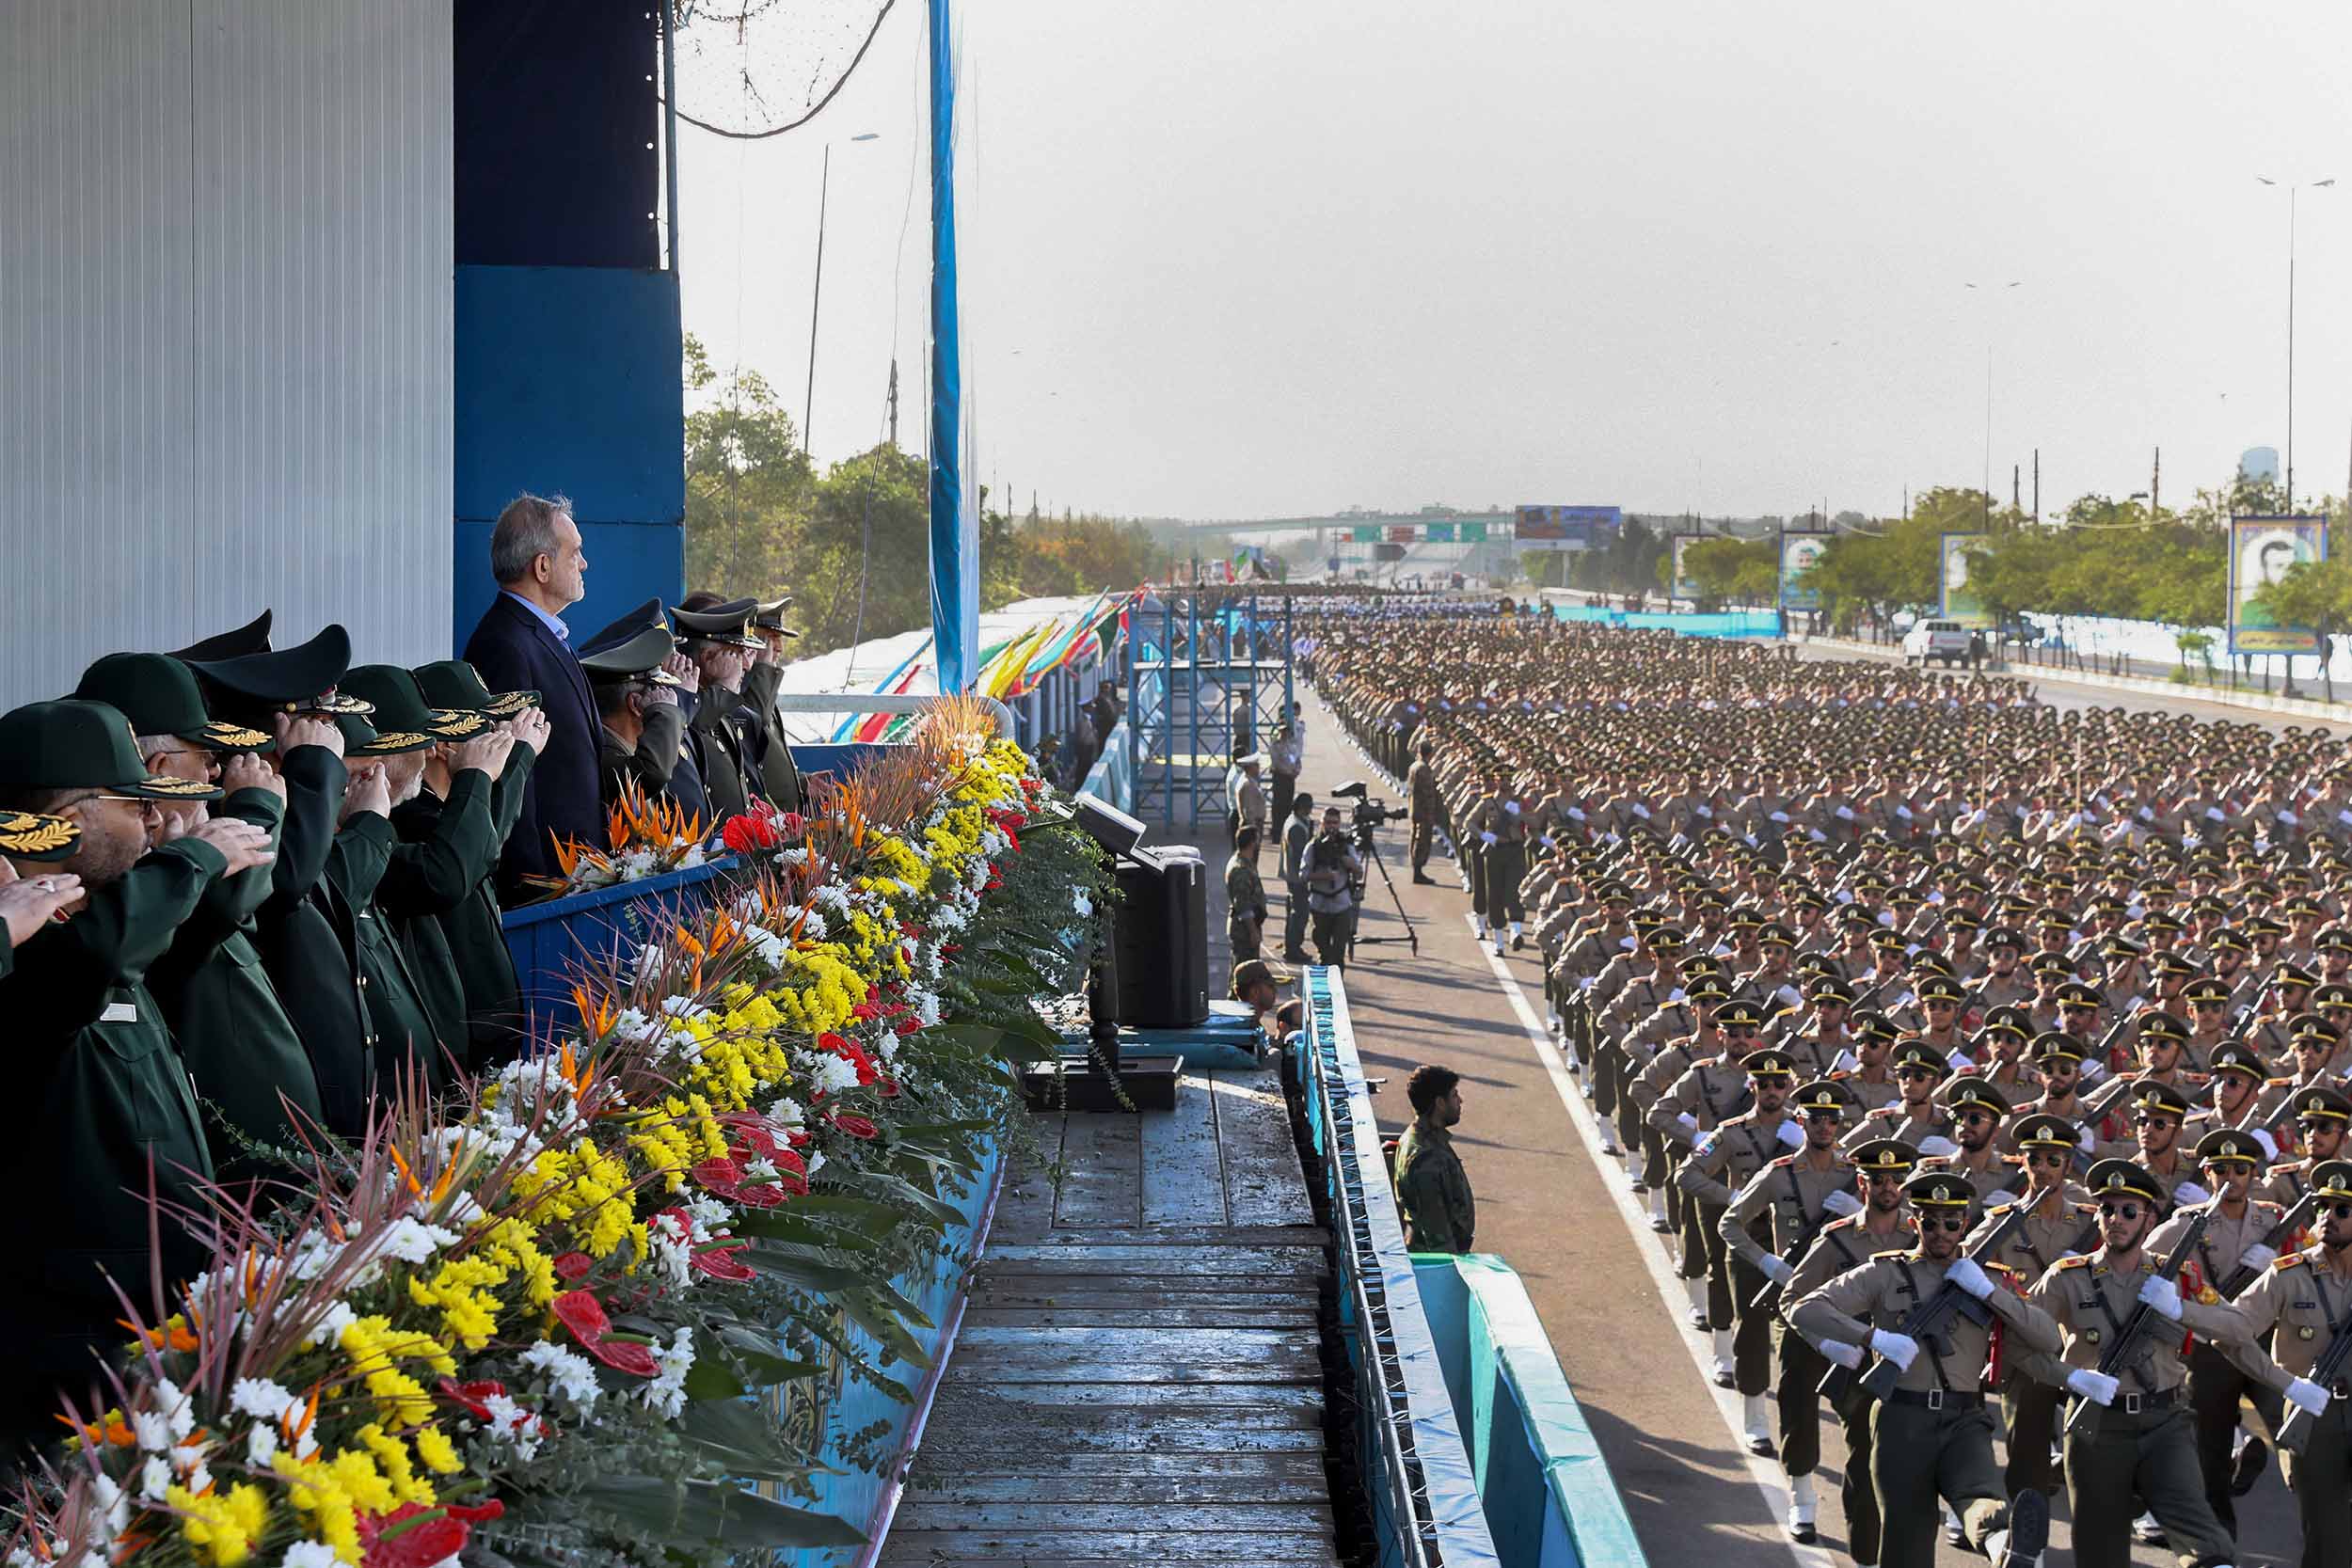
(749, 484)
(2317, 595)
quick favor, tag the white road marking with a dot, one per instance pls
(1764, 1472)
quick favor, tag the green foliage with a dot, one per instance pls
(2314, 593)
(760, 520)
(1732, 571)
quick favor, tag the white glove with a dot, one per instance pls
(1778, 1270)
(2306, 1395)
(2087, 1142)
(1487, 838)
(1966, 1274)
(2097, 1387)
(2162, 1294)
(1841, 1204)
(1845, 1061)
(1846, 1355)
(1791, 1134)
(2188, 1192)
(1898, 1348)
(2257, 1256)
(1938, 1149)
(2270, 1143)
(1792, 995)
(1960, 1063)
(1688, 1122)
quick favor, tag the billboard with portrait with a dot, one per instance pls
(1798, 553)
(1567, 528)
(1683, 587)
(1957, 601)
(2260, 550)
(1402, 533)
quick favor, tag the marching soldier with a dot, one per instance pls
(1879, 1223)
(1932, 1437)
(1915, 1116)
(2304, 1301)
(2320, 1118)
(1792, 1199)
(2143, 1443)
(1718, 1167)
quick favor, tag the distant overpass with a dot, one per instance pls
(1497, 523)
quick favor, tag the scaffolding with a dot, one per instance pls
(1208, 679)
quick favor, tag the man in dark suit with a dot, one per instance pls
(522, 645)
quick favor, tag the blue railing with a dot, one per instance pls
(1550, 1500)
(1418, 1478)
(1728, 622)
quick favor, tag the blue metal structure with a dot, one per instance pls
(954, 513)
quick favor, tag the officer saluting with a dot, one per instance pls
(1932, 1436)
(107, 1104)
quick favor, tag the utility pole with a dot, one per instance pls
(2013, 487)
(894, 405)
(2037, 484)
(815, 293)
(2156, 485)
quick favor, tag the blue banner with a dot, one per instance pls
(954, 510)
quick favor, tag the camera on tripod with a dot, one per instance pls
(1371, 811)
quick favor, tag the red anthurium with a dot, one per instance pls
(476, 1513)
(834, 1043)
(573, 1265)
(759, 1195)
(788, 1162)
(890, 1089)
(720, 1176)
(623, 1355)
(474, 1397)
(432, 1540)
(583, 1314)
(798, 1138)
(719, 1262)
(857, 1127)
(792, 823)
(744, 834)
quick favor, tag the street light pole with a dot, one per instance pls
(2291, 191)
(1987, 292)
(817, 289)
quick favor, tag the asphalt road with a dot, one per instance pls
(1595, 1273)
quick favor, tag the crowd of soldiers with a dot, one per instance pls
(1985, 1062)
(249, 892)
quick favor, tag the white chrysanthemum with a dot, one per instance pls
(787, 1113)
(667, 1392)
(889, 1049)
(154, 1477)
(568, 1371)
(310, 1554)
(833, 1075)
(510, 1423)
(261, 1442)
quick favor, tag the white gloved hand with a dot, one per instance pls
(1971, 1277)
(2306, 1395)
(1846, 1355)
(2269, 1145)
(1841, 1204)
(2084, 1138)
(1688, 1122)
(1487, 839)
(1778, 1270)
(1938, 1149)
(2257, 1256)
(1898, 1348)
(2162, 1294)
(2097, 1387)
(2189, 1193)
(1791, 1134)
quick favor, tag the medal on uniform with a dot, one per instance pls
(2091, 1336)
(2304, 1333)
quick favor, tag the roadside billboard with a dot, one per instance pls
(1683, 587)
(1402, 533)
(2260, 550)
(1364, 533)
(1798, 552)
(1567, 528)
(1473, 533)
(1957, 601)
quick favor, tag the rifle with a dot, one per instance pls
(2276, 1238)
(2251, 1014)
(1768, 1299)
(2327, 1370)
(2126, 1351)
(1927, 1319)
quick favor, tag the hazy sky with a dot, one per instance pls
(1252, 260)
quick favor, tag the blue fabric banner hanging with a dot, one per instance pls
(954, 513)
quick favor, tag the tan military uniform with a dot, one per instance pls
(2302, 1302)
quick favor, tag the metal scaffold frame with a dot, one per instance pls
(1208, 667)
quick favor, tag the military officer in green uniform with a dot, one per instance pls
(2303, 1301)
(718, 640)
(1795, 1198)
(1882, 1222)
(2143, 1442)
(107, 1111)
(253, 1079)
(403, 1039)
(1932, 1437)
(1432, 1188)
(30, 901)
(496, 1026)
(761, 683)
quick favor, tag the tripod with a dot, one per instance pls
(1371, 857)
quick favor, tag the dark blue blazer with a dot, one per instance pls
(513, 651)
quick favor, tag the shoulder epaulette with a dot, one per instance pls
(1790, 1159)
(2277, 1083)
(2290, 1260)
(1891, 1252)
(2086, 1207)
(2072, 1262)
(1844, 1222)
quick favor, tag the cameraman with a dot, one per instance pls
(1333, 869)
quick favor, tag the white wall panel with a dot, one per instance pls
(225, 325)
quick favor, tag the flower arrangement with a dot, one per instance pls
(644, 838)
(520, 1321)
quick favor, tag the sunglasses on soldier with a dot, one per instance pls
(2126, 1211)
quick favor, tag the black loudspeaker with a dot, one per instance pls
(1161, 929)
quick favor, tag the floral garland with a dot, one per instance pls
(523, 1321)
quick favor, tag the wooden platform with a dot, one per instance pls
(1138, 1376)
